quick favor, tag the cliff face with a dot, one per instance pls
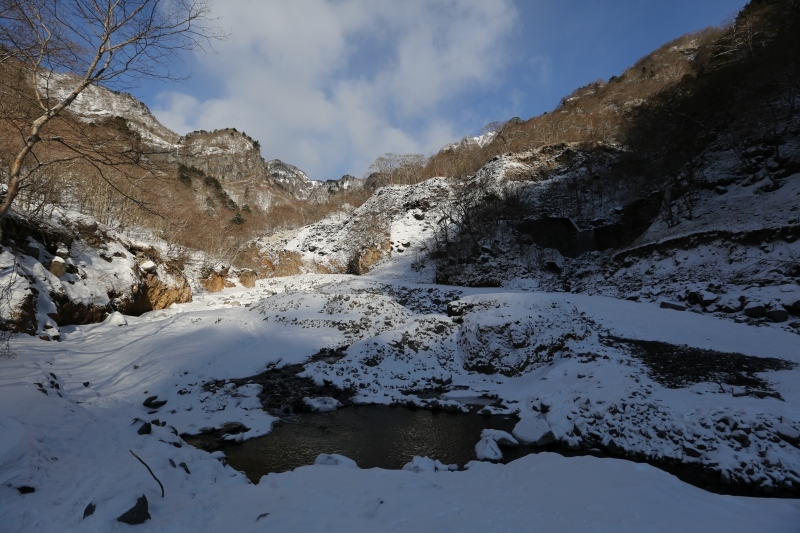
(226, 154)
(291, 179)
(98, 103)
(231, 157)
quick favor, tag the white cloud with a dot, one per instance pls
(328, 85)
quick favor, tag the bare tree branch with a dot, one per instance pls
(68, 45)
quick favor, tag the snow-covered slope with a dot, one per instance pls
(74, 408)
(97, 103)
(76, 271)
(395, 221)
(291, 179)
(480, 141)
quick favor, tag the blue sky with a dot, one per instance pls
(329, 85)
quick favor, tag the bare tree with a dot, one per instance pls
(64, 46)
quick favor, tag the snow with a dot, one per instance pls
(96, 102)
(116, 319)
(480, 141)
(322, 404)
(566, 364)
(426, 464)
(72, 411)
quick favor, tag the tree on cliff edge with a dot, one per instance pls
(58, 48)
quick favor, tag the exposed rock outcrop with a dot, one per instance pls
(84, 282)
(216, 280)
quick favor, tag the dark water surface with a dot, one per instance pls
(389, 437)
(373, 436)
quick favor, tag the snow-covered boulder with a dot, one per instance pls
(534, 430)
(116, 319)
(488, 450)
(58, 267)
(425, 464)
(502, 438)
(322, 404)
(334, 459)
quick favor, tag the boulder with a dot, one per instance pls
(152, 402)
(691, 451)
(155, 291)
(673, 306)
(33, 249)
(148, 266)
(424, 464)
(704, 298)
(793, 307)
(215, 282)
(334, 459)
(248, 278)
(58, 267)
(116, 319)
(741, 437)
(778, 315)
(755, 310)
(534, 430)
(502, 438)
(487, 450)
(787, 432)
(137, 514)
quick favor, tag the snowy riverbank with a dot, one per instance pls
(69, 412)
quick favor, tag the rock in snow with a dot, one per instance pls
(137, 514)
(58, 267)
(673, 306)
(787, 432)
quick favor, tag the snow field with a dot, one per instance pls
(80, 401)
